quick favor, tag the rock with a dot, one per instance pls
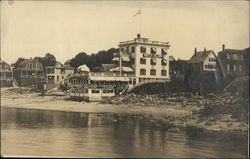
(173, 129)
(209, 123)
(230, 124)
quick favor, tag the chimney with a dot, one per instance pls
(138, 36)
(195, 51)
(205, 49)
(223, 47)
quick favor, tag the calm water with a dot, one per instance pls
(52, 133)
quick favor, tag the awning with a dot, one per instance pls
(125, 58)
(164, 60)
(125, 69)
(164, 51)
(115, 59)
(154, 49)
(154, 60)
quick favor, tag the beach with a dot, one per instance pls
(175, 111)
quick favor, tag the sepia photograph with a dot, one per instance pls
(125, 79)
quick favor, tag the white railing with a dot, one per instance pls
(142, 40)
(110, 74)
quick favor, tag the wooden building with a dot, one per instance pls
(6, 74)
(29, 73)
(202, 71)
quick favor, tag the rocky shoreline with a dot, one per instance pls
(219, 113)
(225, 112)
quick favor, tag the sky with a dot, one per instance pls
(65, 28)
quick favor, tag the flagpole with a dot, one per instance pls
(140, 23)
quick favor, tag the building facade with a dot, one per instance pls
(201, 72)
(149, 60)
(203, 61)
(29, 73)
(58, 74)
(232, 63)
(6, 74)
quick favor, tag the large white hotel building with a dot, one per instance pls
(149, 60)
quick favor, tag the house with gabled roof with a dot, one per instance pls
(29, 73)
(202, 71)
(203, 60)
(57, 74)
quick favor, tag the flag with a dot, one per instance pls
(138, 12)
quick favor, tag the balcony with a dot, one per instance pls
(110, 74)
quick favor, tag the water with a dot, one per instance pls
(27, 132)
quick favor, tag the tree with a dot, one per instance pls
(93, 60)
(47, 60)
(19, 60)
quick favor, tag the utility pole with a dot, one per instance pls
(120, 62)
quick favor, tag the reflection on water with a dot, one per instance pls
(52, 133)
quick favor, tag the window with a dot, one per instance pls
(211, 59)
(153, 61)
(62, 77)
(228, 55)
(163, 62)
(142, 61)
(235, 56)
(142, 71)
(95, 91)
(86, 91)
(127, 49)
(210, 66)
(107, 91)
(57, 78)
(133, 49)
(235, 68)
(143, 50)
(163, 72)
(152, 72)
(240, 68)
(134, 81)
(231, 68)
(50, 70)
(163, 51)
(30, 66)
(63, 71)
(241, 57)
(153, 50)
(122, 49)
(228, 67)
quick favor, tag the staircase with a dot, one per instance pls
(15, 83)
